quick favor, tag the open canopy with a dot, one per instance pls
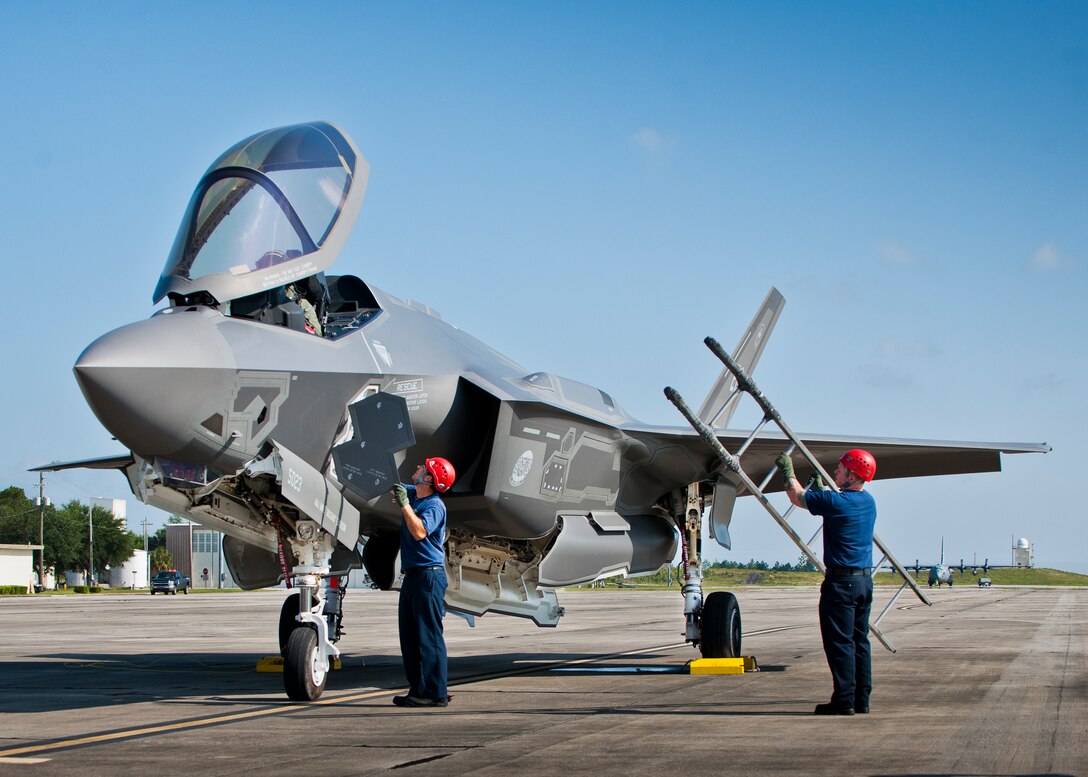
(274, 208)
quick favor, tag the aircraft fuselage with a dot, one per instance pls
(193, 387)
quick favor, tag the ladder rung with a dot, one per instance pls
(767, 479)
(759, 428)
(725, 404)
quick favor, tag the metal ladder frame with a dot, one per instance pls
(731, 462)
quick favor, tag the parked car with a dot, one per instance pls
(170, 581)
(984, 582)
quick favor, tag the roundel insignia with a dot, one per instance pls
(521, 469)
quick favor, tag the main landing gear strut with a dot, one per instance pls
(711, 624)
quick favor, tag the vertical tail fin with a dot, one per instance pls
(720, 403)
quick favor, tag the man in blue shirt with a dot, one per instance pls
(423, 590)
(846, 594)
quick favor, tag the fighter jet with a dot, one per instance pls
(278, 403)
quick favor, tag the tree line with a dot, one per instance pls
(674, 573)
(65, 533)
(803, 564)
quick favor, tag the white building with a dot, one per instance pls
(17, 565)
(131, 574)
(117, 507)
(1023, 554)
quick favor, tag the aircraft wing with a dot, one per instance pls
(896, 457)
(103, 462)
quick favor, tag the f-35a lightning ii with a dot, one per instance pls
(278, 403)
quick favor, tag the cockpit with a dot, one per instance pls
(266, 220)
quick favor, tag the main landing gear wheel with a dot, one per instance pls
(304, 670)
(288, 622)
(719, 629)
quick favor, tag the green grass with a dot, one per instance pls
(1032, 576)
(736, 578)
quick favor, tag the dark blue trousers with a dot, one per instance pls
(422, 645)
(844, 626)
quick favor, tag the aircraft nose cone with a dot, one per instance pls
(152, 382)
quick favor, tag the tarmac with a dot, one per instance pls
(987, 681)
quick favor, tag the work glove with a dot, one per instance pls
(785, 465)
(817, 483)
(400, 493)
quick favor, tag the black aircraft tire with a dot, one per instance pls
(720, 626)
(287, 620)
(300, 678)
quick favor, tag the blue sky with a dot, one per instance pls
(592, 188)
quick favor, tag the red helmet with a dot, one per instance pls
(442, 473)
(860, 462)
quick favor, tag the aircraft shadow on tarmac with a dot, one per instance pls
(68, 681)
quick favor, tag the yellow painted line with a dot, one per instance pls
(164, 728)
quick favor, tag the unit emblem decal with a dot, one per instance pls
(521, 469)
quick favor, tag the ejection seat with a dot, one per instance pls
(351, 305)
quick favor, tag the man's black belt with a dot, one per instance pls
(410, 570)
(847, 571)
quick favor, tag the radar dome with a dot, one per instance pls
(1023, 543)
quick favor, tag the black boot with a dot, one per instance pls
(833, 709)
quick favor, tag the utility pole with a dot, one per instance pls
(41, 529)
(90, 543)
(147, 555)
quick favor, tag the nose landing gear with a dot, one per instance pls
(310, 618)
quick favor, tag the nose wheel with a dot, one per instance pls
(305, 667)
(310, 621)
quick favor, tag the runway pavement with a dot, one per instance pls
(986, 681)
